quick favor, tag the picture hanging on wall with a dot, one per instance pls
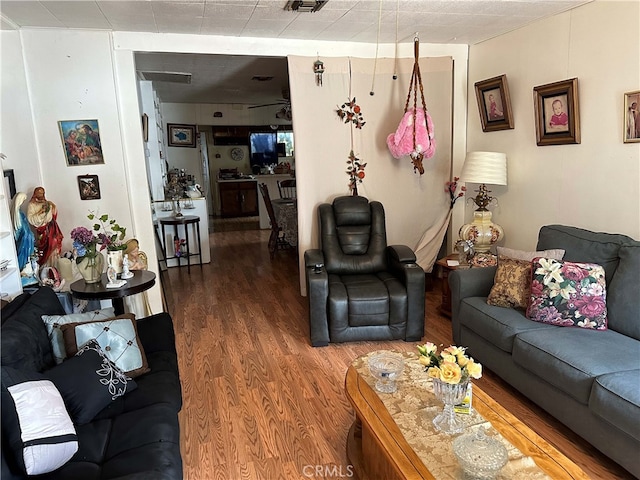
(557, 113)
(494, 104)
(631, 120)
(89, 187)
(181, 135)
(81, 140)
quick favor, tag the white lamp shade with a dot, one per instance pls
(485, 167)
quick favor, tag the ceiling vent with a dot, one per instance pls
(305, 5)
(173, 77)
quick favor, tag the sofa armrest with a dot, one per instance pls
(156, 333)
(464, 283)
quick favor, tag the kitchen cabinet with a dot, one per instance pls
(238, 198)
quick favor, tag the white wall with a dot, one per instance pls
(593, 185)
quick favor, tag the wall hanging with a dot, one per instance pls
(494, 104)
(81, 139)
(557, 113)
(415, 134)
(318, 70)
(351, 113)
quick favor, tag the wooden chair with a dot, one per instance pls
(287, 188)
(276, 239)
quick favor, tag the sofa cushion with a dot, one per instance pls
(568, 294)
(88, 382)
(615, 397)
(142, 444)
(117, 337)
(571, 358)
(54, 323)
(512, 283)
(35, 422)
(623, 299)
(495, 324)
(556, 253)
(24, 340)
(583, 245)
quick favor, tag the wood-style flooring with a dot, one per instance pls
(259, 401)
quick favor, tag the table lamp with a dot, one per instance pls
(483, 168)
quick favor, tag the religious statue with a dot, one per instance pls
(42, 215)
(25, 240)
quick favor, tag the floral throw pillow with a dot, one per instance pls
(568, 294)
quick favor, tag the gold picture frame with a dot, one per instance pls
(557, 113)
(494, 104)
(631, 121)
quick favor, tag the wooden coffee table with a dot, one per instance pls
(377, 448)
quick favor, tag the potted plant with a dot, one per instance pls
(110, 237)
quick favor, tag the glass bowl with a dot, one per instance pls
(386, 368)
(480, 457)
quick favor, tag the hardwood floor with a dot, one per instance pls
(259, 401)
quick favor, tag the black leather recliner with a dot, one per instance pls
(358, 287)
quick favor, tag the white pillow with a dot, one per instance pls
(55, 322)
(39, 431)
(556, 254)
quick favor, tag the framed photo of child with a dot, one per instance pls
(557, 113)
(631, 120)
(494, 104)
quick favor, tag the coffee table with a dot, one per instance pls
(378, 449)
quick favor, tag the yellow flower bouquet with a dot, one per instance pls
(452, 365)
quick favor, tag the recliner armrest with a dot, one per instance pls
(313, 257)
(401, 253)
(317, 294)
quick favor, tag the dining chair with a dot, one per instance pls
(276, 238)
(287, 188)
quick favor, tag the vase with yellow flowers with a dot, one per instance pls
(451, 371)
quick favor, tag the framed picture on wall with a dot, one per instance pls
(557, 113)
(631, 120)
(89, 187)
(494, 104)
(181, 135)
(81, 140)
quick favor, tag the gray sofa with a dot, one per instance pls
(587, 379)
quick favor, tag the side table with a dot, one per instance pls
(479, 261)
(185, 221)
(142, 280)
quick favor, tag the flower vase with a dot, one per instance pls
(90, 267)
(114, 258)
(451, 395)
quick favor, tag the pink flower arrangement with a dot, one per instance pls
(451, 187)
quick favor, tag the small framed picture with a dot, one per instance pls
(494, 104)
(181, 135)
(557, 113)
(81, 141)
(145, 127)
(632, 117)
(89, 187)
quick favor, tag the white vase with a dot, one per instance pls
(91, 268)
(114, 258)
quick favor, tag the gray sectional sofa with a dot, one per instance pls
(587, 379)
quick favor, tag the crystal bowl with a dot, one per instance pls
(480, 457)
(386, 368)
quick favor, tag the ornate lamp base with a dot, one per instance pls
(482, 231)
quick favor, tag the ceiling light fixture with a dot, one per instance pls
(305, 5)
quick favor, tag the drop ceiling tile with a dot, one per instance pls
(32, 14)
(78, 14)
(186, 8)
(228, 11)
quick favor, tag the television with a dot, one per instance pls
(263, 148)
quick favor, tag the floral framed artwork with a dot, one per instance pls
(631, 120)
(557, 113)
(181, 135)
(81, 141)
(494, 104)
(89, 187)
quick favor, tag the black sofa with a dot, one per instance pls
(137, 436)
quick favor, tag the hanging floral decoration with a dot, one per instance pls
(355, 170)
(351, 113)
